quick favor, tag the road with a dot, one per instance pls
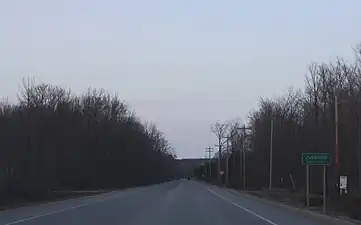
(174, 203)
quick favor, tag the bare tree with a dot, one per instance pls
(53, 139)
(305, 121)
(220, 130)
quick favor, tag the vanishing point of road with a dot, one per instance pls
(179, 202)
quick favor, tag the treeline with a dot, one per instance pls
(54, 140)
(304, 121)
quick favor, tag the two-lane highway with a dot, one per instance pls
(173, 203)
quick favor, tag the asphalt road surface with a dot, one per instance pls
(174, 203)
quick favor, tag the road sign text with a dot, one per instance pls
(316, 158)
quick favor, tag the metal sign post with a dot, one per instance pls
(307, 186)
(324, 189)
(316, 159)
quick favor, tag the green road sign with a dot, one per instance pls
(316, 158)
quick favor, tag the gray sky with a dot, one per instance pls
(181, 64)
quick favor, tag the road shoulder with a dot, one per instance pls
(304, 211)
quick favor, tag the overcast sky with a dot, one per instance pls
(183, 64)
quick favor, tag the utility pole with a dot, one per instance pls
(227, 160)
(233, 134)
(271, 157)
(336, 145)
(219, 160)
(220, 145)
(358, 154)
(219, 129)
(209, 151)
(242, 154)
(233, 158)
(244, 157)
(204, 169)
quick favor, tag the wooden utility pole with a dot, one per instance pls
(243, 154)
(219, 129)
(227, 160)
(209, 151)
(232, 153)
(337, 166)
(219, 160)
(244, 157)
(271, 157)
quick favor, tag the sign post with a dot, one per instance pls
(316, 159)
(324, 189)
(307, 186)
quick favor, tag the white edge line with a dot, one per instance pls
(62, 210)
(54, 212)
(55, 202)
(46, 214)
(293, 208)
(241, 207)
